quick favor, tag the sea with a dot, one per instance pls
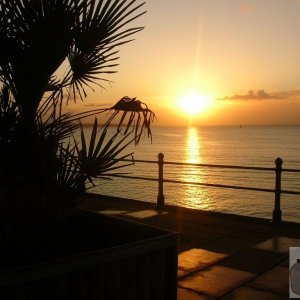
(250, 146)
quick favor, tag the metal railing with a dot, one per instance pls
(276, 217)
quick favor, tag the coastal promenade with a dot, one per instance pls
(220, 256)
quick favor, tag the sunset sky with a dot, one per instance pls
(242, 58)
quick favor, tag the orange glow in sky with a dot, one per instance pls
(240, 57)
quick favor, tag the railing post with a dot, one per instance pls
(277, 211)
(160, 196)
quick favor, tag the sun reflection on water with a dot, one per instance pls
(195, 195)
(193, 146)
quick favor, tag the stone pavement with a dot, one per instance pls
(221, 256)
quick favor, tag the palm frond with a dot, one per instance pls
(86, 70)
(68, 178)
(139, 117)
(100, 20)
(56, 129)
(99, 29)
(100, 155)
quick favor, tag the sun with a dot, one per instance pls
(194, 103)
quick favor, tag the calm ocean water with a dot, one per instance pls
(256, 146)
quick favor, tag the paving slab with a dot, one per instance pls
(184, 294)
(253, 260)
(215, 281)
(275, 280)
(144, 214)
(196, 259)
(248, 293)
(280, 244)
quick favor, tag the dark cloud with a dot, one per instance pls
(293, 94)
(256, 95)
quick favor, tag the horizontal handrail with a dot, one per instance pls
(218, 166)
(290, 192)
(133, 177)
(199, 165)
(235, 187)
(138, 160)
(254, 168)
(161, 180)
(291, 170)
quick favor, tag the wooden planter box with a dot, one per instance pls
(138, 262)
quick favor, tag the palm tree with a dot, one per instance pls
(43, 168)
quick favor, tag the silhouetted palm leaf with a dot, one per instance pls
(98, 31)
(100, 156)
(68, 175)
(139, 116)
(56, 129)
